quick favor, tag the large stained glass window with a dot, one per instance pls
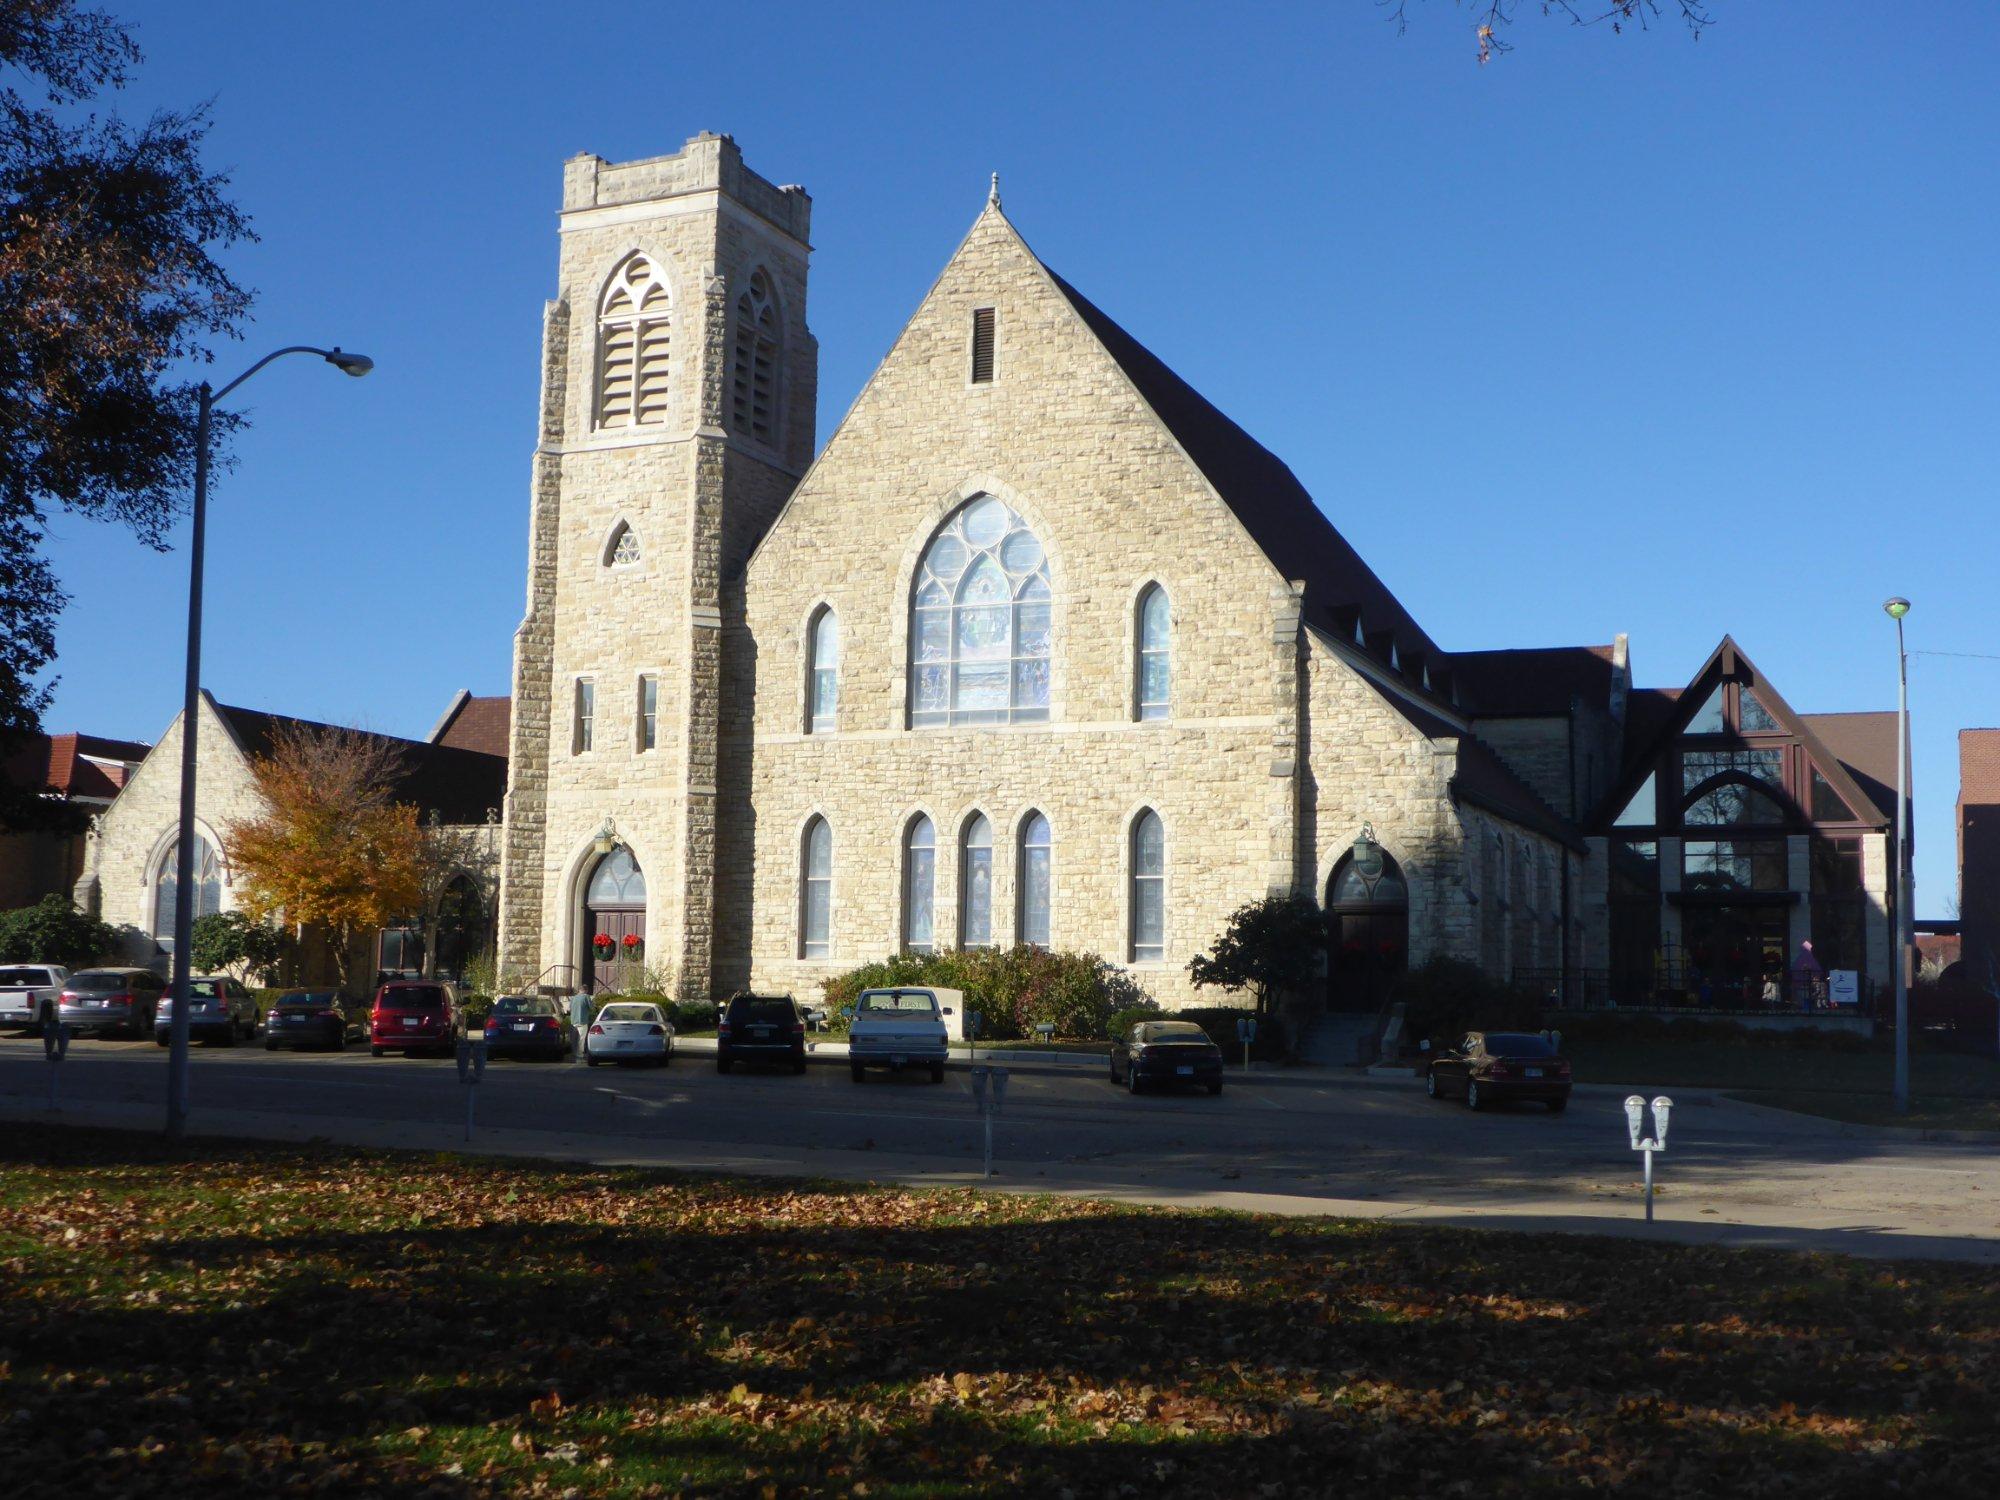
(980, 641)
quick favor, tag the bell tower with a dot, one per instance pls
(679, 382)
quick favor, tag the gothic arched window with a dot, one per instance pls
(1155, 686)
(166, 887)
(823, 673)
(1149, 887)
(754, 377)
(622, 550)
(919, 886)
(816, 891)
(980, 638)
(975, 883)
(1033, 880)
(634, 345)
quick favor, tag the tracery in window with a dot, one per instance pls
(623, 548)
(980, 638)
(634, 346)
(166, 888)
(753, 388)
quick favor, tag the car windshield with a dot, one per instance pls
(754, 1012)
(99, 984)
(523, 1005)
(204, 989)
(629, 1013)
(306, 998)
(1171, 1031)
(414, 997)
(1519, 1044)
(25, 976)
(897, 1002)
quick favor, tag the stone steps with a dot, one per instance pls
(1337, 1040)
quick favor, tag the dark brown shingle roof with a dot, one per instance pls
(1865, 744)
(1539, 680)
(476, 724)
(460, 785)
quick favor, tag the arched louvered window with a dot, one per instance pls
(975, 883)
(1155, 684)
(622, 550)
(1149, 887)
(753, 382)
(634, 345)
(980, 637)
(1034, 881)
(823, 677)
(920, 886)
(816, 891)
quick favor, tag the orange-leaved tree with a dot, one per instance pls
(333, 847)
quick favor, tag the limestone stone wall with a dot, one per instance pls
(1537, 750)
(696, 495)
(1061, 437)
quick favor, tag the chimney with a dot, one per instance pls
(1621, 676)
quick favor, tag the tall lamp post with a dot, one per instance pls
(1896, 609)
(185, 872)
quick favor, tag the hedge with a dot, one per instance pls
(1010, 990)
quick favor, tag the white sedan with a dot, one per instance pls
(629, 1032)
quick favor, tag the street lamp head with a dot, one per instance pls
(1897, 608)
(356, 365)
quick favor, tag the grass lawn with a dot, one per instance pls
(1952, 1090)
(270, 1320)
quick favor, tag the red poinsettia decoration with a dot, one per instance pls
(631, 941)
(602, 942)
(1388, 950)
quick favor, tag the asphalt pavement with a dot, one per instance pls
(1297, 1140)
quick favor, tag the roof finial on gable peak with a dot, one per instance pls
(993, 194)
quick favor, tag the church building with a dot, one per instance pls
(1043, 648)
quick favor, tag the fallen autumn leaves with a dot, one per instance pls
(279, 1320)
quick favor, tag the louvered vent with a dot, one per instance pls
(635, 342)
(982, 345)
(754, 370)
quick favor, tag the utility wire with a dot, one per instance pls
(1969, 655)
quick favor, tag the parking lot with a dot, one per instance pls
(1293, 1139)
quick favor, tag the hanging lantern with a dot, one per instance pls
(607, 837)
(1368, 855)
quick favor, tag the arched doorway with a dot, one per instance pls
(1368, 928)
(614, 908)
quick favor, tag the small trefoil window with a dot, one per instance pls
(624, 548)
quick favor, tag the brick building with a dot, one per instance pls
(50, 787)
(1042, 647)
(1979, 853)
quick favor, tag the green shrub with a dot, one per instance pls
(1131, 1015)
(1219, 1021)
(53, 931)
(266, 998)
(1649, 1030)
(1447, 997)
(1010, 990)
(223, 941)
(691, 1015)
(476, 1008)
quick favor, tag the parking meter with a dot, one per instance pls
(989, 1092)
(1246, 1032)
(1635, 1121)
(1662, 1108)
(55, 1046)
(1635, 1117)
(471, 1068)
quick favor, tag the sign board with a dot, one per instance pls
(1843, 987)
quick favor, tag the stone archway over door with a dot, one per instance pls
(1368, 932)
(614, 905)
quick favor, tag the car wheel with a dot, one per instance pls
(269, 1045)
(1472, 1099)
(1431, 1082)
(378, 1051)
(937, 1072)
(800, 1067)
(1112, 1069)
(161, 1041)
(1131, 1079)
(858, 1073)
(1557, 1106)
(723, 1064)
(590, 1062)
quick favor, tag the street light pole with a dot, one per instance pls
(1899, 942)
(185, 872)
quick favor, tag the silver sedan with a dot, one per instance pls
(629, 1032)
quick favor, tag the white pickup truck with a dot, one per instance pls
(901, 1028)
(29, 992)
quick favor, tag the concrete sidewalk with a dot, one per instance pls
(1618, 1214)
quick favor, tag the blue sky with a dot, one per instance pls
(1616, 333)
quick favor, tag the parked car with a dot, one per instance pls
(529, 1026)
(104, 1000)
(1488, 1067)
(315, 1018)
(413, 1015)
(219, 1010)
(629, 1032)
(760, 1028)
(899, 1028)
(1167, 1053)
(29, 993)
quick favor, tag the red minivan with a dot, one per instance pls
(414, 1015)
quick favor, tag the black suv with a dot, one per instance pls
(760, 1028)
